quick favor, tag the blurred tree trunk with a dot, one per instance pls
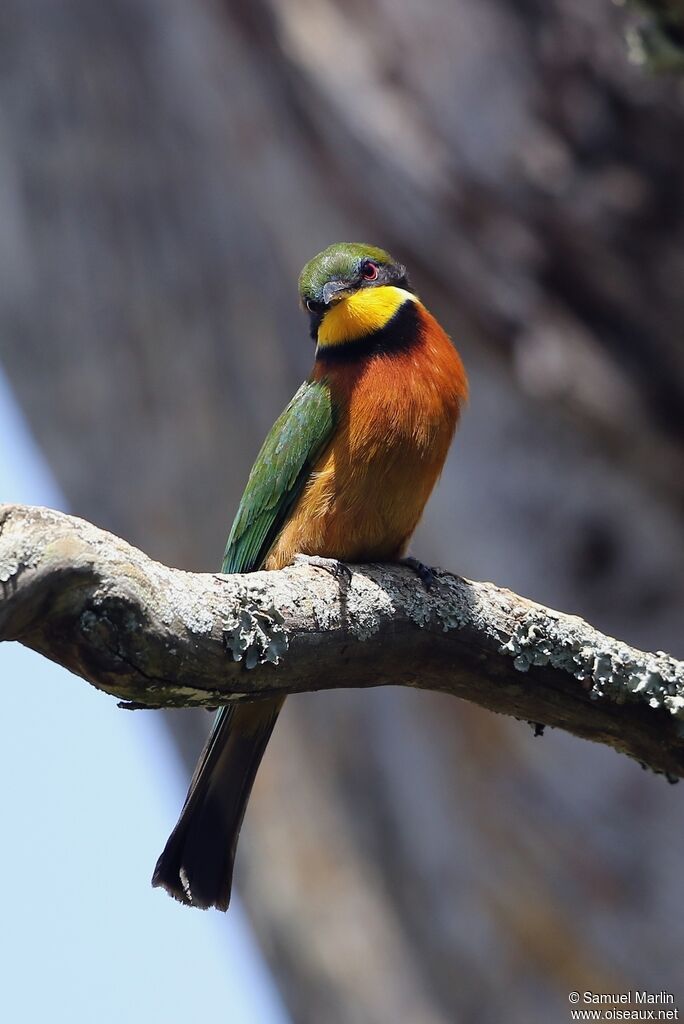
(167, 167)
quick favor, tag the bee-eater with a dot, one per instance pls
(344, 475)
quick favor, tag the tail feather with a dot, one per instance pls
(196, 866)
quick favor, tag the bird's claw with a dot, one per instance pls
(424, 572)
(338, 569)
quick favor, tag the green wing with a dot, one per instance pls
(278, 476)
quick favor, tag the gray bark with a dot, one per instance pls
(160, 637)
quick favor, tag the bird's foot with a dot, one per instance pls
(426, 574)
(338, 569)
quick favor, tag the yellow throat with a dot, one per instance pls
(360, 313)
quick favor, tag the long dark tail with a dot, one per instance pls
(196, 866)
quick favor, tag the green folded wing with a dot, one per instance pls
(278, 476)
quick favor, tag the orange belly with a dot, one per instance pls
(368, 490)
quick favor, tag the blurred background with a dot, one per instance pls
(166, 167)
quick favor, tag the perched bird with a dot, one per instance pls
(343, 475)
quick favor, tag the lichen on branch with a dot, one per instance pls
(158, 637)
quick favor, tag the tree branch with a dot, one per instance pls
(159, 637)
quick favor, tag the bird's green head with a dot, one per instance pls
(341, 271)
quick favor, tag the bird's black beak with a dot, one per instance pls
(333, 291)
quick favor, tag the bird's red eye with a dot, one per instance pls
(369, 271)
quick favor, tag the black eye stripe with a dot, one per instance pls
(383, 273)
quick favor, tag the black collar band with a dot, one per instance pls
(399, 334)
